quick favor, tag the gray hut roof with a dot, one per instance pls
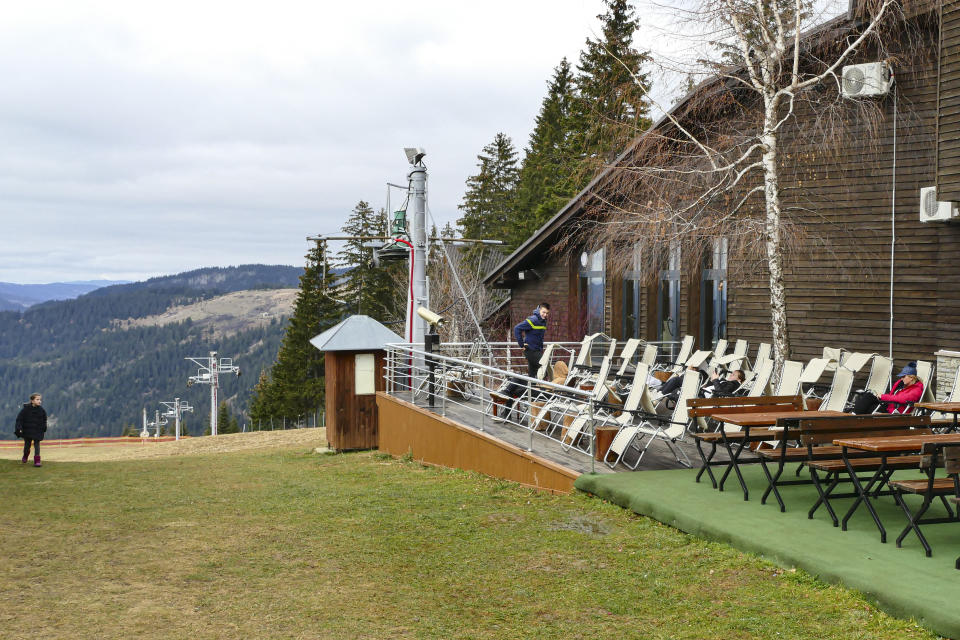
(356, 333)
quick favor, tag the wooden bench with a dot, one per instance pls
(818, 453)
(700, 409)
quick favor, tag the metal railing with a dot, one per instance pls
(481, 395)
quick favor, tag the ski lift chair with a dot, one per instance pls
(670, 430)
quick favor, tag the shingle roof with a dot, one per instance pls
(356, 333)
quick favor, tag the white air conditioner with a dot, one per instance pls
(933, 210)
(862, 80)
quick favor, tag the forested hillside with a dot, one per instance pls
(97, 374)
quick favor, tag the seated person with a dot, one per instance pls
(717, 386)
(907, 390)
(721, 387)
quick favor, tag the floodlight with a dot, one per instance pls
(414, 154)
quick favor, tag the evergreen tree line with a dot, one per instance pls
(332, 287)
(589, 115)
(97, 376)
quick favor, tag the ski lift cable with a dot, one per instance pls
(456, 278)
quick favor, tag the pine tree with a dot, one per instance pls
(488, 204)
(548, 175)
(611, 107)
(296, 381)
(370, 290)
(226, 422)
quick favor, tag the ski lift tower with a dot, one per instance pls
(209, 373)
(175, 410)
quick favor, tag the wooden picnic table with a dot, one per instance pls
(764, 428)
(942, 407)
(888, 447)
(769, 418)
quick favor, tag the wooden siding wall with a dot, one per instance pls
(434, 439)
(351, 419)
(849, 307)
(555, 288)
(948, 112)
(839, 296)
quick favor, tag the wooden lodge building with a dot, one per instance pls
(838, 294)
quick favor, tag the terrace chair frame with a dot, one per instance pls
(933, 456)
(671, 430)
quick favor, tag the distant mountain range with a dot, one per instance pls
(103, 357)
(19, 297)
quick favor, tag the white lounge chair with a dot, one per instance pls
(925, 373)
(670, 430)
(649, 356)
(839, 393)
(686, 348)
(790, 375)
(760, 385)
(763, 354)
(734, 359)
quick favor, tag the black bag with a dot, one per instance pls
(865, 403)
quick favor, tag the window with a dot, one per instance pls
(668, 298)
(591, 289)
(631, 299)
(713, 294)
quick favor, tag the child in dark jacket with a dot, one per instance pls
(31, 425)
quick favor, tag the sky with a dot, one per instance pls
(148, 138)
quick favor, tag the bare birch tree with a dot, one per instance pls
(714, 167)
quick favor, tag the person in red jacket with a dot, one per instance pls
(907, 390)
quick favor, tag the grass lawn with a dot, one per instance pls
(286, 543)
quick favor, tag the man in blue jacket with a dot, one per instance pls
(529, 335)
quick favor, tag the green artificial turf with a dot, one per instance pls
(903, 581)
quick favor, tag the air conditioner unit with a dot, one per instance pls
(933, 210)
(862, 80)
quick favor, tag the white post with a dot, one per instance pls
(176, 418)
(213, 393)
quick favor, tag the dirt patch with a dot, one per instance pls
(188, 446)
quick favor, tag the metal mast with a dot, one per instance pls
(418, 234)
(209, 373)
(175, 410)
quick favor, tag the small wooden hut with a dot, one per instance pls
(354, 363)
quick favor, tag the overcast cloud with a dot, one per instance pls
(141, 139)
